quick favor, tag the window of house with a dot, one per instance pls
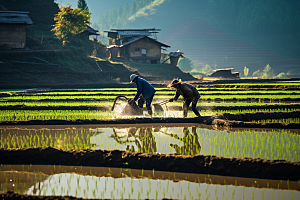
(137, 49)
(144, 51)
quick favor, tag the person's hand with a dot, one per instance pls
(171, 100)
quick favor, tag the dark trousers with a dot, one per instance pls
(141, 102)
(187, 103)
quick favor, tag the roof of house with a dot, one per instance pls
(14, 17)
(226, 69)
(133, 33)
(91, 31)
(141, 37)
(176, 54)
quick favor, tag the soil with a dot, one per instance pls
(15, 196)
(258, 116)
(246, 167)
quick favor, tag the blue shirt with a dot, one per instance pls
(144, 88)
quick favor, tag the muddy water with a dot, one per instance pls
(118, 183)
(186, 139)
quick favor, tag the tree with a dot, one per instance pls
(82, 4)
(185, 64)
(207, 70)
(268, 72)
(120, 11)
(246, 71)
(126, 10)
(133, 8)
(257, 74)
(282, 76)
(113, 16)
(70, 22)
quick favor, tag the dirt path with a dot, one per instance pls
(247, 167)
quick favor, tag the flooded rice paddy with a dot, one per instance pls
(185, 139)
(121, 183)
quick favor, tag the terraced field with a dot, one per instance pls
(73, 104)
(245, 145)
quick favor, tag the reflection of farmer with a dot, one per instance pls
(191, 145)
(145, 141)
(145, 92)
(189, 93)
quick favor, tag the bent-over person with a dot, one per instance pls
(145, 92)
(190, 95)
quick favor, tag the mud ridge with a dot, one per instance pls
(239, 167)
(219, 124)
(206, 120)
(11, 195)
(258, 116)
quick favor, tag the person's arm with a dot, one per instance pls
(176, 95)
(139, 89)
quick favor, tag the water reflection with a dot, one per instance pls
(191, 144)
(118, 183)
(187, 139)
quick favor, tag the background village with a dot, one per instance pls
(149, 99)
(113, 53)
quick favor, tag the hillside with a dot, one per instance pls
(220, 34)
(81, 63)
(77, 65)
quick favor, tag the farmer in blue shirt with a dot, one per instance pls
(145, 92)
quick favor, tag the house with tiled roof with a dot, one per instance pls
(135, 45)
(12, 29)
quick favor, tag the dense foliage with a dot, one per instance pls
(70, 22)
(82, 4)
(118, 17)
(185, 64)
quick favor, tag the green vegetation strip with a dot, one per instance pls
(110, 103)
(23, 115)
(262, 84)
(246, 96)
(202, 92)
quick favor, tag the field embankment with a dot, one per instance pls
(247, 167)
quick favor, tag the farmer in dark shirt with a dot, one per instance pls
(190, 95)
